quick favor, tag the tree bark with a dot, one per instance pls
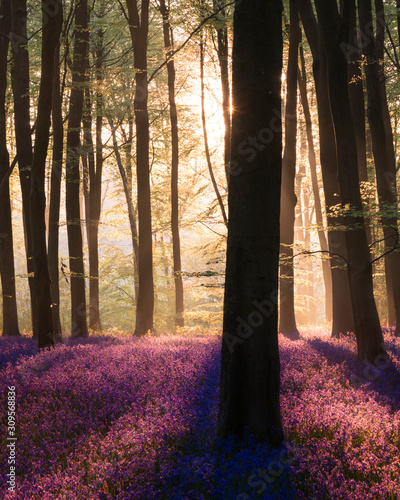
(367, 327)
(356, 95)
(93, 163)
(287, 320)
(79, 67)
(383, 162)
(55, 198)
(176, 245)
(52, 23)
(139, 26)
(7, 270)
(342, 312)
(23, 139)
(250, 367)
(92, 186)
(390, 173)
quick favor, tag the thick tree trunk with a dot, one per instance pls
(367, 327)
(7, 271)
(223, 59)
(20, 87)
(386, 190)
(139, 27)
(176, 245)
(287, 320)
(250, 367)
(342, 313)
(79, 68)
(302, 78)
(55, 198)
(356, 95)
(52, 23)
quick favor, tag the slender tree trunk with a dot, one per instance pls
(287, 320)
(93, 162)
(309, 288)
(20, 87)
(52, 23)
(93, 185)
(7, 270)
(302, 78)
(386, 190)
(205, 135)
(250, 367)
(390, 171)
(223, 59)
(127, 184)
(342, 313)
(176, 245)
(95, 197)
(367, 327)
(79, 68)
(126, 175)
(55, 198)
(139, 27)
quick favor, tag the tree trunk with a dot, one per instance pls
(126, 176)
(386, 190)
(287, 320)
(390, 173)
(250, 367)
(55, 198)
(176, 245)
(23, 139)
(356, 95)
(93, 184)
(205, 135)
(79, 68)
(52, 23)
(139, 26)
(93, 162)
(223, 59)
(342, 312)
(367, 327)
(7, 270)
(302, 78)
(127, 184)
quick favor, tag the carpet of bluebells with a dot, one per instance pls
(118, 418)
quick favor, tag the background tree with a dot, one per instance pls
(79, 70)
(367, 327)
(287, 320)
(176, 245)
(342, 312)
(386, 190)
(7, 270)
(302, 80)
(139, 27)
(23, 139)
(52, 24)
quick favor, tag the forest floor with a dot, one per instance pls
(119, 418)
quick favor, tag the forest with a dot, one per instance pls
(199, 249)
